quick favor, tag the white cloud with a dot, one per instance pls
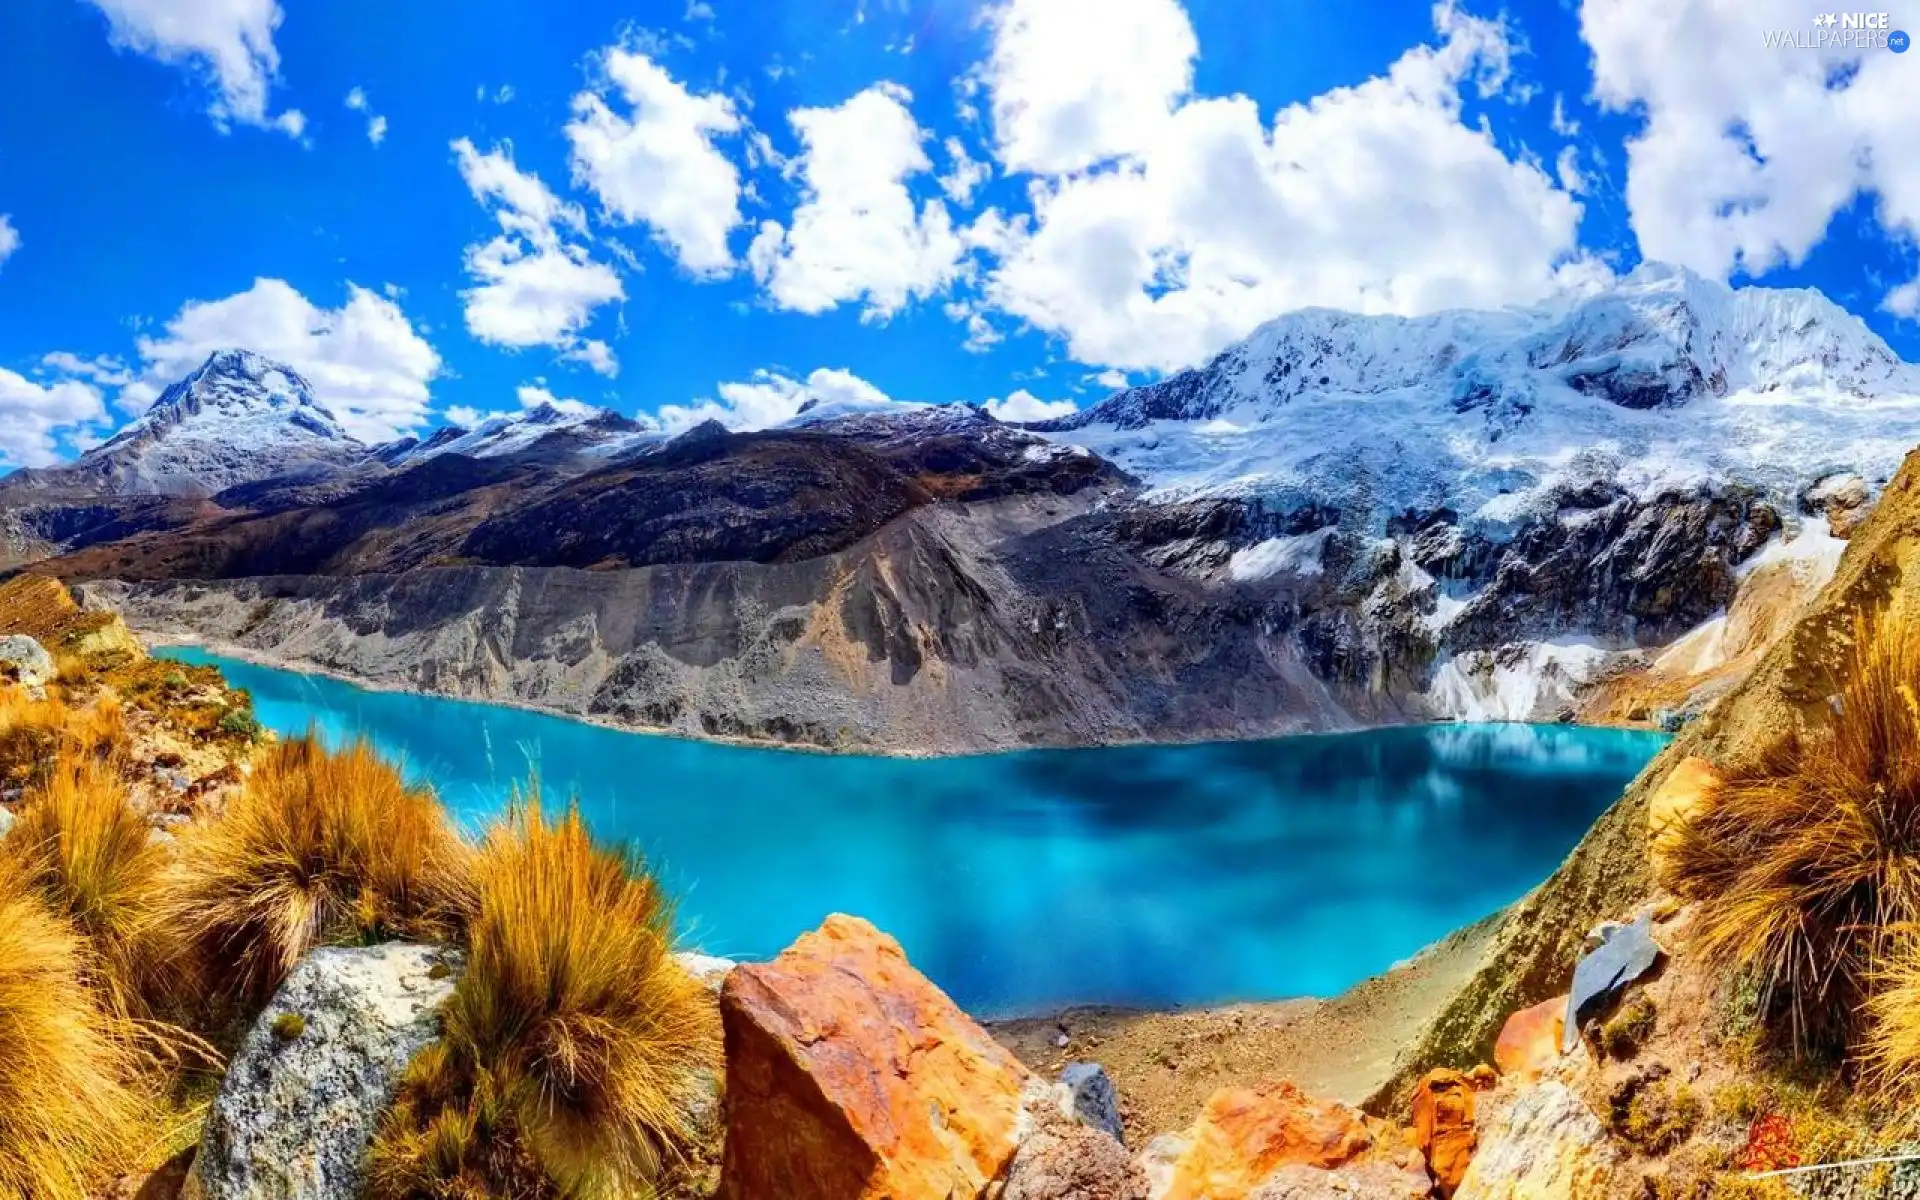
(698, 10)
(857, 234)
(1376, 198)
(657, 163)
(1746, 153)
(530, 396)
(376, 124)
(770, 398)
(1073, 82)
(104, 369)
(365, 360)
(1112, 379)
(33, 416)
(1563, 125)
(596, 356)
(1904, 301)
(1567, 168)
(229, 43)
(1023, 405)
(9, 238)
(966, 175)
(536, 284)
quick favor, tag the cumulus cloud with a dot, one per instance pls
(1201, 222)
(366, 361)
(105, 369)
(35, 417)
(965, 176)
(1023, 405)
(770, 398)
(530, 396)
(536, 283)
(1904, 301)
(858, 236)
(227, 43)
(9, 238)
(656, 162)
(376, 124)
(1744, 153)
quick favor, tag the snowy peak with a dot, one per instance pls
(563, 431)
(238, 386)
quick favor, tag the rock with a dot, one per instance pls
(1680, 795)
(1065, 1159)
(1087, 1094)
(1245, 1135)
(295, 1113)
(1625, 953)
(26, 660)
(1544, 1145)
(1443, 1124)
(706, 968)
(6, 821)
(1529, 1042)
(851, 1077)
(1844, 499)
(1362, 1181)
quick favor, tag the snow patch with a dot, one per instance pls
(1298, 555)
(1523, 682)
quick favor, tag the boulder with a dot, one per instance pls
(1086, 1093)
(1066, 1159)
(1245, 1135)
(851, 1077)
(1529, 1042)
(26, 660)
(1623, 955)
(304, 1093)
(1444, 1131)
(1680, 795)
(1543, 1145)
(710, 971)
(1360, 1181)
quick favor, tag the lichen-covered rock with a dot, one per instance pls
(1067, 1159)
(1245, 1135)
(850, 1076)
(1360, 1181)
(304, 1093)
(1529, 1042)
(25, 660)
(1542, 1145)
(1086, 1093)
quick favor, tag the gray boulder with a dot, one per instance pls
(305, 1092)
(1063, 1159)
(1087, 1094)
(26, 659)
(1625, 953)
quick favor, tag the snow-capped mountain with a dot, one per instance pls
(239, 418)
(598, 433)
(1662, 382)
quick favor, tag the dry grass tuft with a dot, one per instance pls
(33, 733)
(1806, 861)
(1892, 1045)
(68, 1117)
(575, 1046)
(82, 846)
(319, 847)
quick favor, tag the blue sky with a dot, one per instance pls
(724, 208)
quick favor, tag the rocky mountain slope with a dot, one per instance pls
(1602, 507)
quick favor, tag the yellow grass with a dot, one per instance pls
(1805, 861)
(34, 732)
(68, 1118)
(574, 1045)
(82, 846)
(319, 847)
(1892, 1043)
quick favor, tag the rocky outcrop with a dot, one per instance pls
(304, 1093)
(1543, 1145)
(25, 660)
(1529, 1043)
(1065, 1159)
(1444, 1126)
(1244, 1136)
(1362, 1181)
(851, 1077)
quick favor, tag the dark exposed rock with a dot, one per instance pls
(1624, 954)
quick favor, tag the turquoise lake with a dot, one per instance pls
(1022, 882)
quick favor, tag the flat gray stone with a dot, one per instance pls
(298, 1110)
(1088, 1095)
(1625, 953)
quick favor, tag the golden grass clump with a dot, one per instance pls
(1806, 861)
(81, 845)
(69, 1118)
(319, 847)
(34, 732)
(1892, 1043)
(575, 1046)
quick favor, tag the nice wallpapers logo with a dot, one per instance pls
(1843, 31)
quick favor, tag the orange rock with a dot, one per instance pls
(1443, 1126)
(850, 1076)
(1529, 1042)
(1245, 1135)
(1679, 796)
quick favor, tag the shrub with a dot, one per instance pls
(1807, 858)
(68, 1117)
(82, 846)
(35, 732)
(1892, 1044)
(575, 1047)
(318, 847)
